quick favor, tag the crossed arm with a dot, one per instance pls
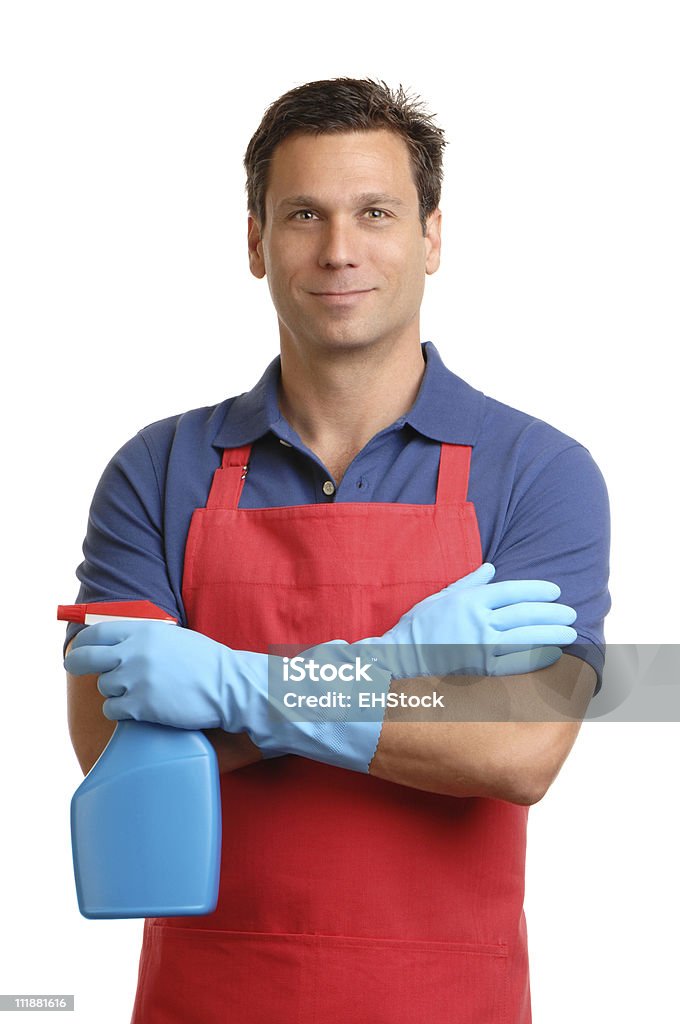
(509, 739)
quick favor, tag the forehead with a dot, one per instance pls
(341, 163)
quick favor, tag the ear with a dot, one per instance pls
(433, 241)
(255, 254)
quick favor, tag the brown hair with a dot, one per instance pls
(347, 105)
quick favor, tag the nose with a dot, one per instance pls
(339, 247)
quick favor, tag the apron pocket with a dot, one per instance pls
(387, 981)
(254, 978)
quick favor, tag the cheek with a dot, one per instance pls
(282, 263)
(408, 272)
(402, 257)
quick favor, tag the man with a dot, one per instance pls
(372, 868)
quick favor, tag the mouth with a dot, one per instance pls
(341, 296)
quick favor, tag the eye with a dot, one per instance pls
(373, 213)
(303, 215)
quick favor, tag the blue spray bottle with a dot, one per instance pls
(146, 826)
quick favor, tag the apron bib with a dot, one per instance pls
(343, 898)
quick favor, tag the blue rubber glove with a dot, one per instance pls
(478, 628)
(184, 679)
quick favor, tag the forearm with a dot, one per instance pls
(234, 750)
(88, 729)
(504, 737)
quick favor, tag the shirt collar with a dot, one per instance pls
(446, 408)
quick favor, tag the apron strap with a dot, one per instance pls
(227, 481)
(454, 470)
(452, 485)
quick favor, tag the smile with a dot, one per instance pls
(341, 296)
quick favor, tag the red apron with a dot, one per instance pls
(343, 898)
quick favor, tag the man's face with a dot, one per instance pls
(343, 246)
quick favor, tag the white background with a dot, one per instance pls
(127, 298)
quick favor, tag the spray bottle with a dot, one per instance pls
(146, 824)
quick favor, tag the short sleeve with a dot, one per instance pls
(124, 551)
(557, 528)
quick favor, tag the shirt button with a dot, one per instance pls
(329, 487)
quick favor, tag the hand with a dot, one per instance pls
(152, 673)
(475, 627)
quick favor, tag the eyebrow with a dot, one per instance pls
(362, 199)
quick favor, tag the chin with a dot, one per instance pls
(347, 335)
(346, 343)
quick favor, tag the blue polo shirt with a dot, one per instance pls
(541, 502)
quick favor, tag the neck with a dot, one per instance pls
(337, 401)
